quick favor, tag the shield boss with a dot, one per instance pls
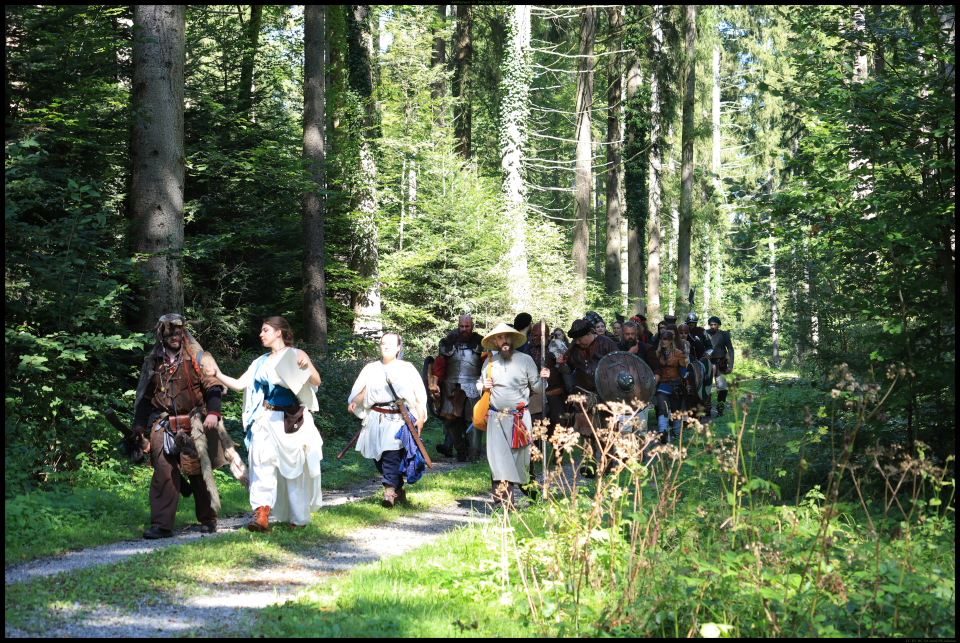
(624, 377)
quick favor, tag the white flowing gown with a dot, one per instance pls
(295, 493)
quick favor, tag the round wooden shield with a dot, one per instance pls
(624, 377)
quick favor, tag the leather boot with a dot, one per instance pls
(389, 497)
(259, 523)
(474, 444)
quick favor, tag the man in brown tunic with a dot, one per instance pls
(172, 389)
(582, 358)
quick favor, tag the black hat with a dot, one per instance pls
(593, 318)
(714, 320)
(579, 328)
(522, 320)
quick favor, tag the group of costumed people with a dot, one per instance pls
(518, 374)
(567, 364)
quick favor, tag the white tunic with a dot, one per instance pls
(379, 429)
(296, 492)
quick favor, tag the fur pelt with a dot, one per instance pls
(237, 468)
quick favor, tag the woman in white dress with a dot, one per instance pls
(373, 401)
(284, 445)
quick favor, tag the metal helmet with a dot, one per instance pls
(692, 318)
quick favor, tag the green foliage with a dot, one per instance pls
(66, 280)
(691, 538)
(875, 207)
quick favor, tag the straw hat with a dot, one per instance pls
(519, 339)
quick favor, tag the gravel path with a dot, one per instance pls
(116, 552)
(232, 600)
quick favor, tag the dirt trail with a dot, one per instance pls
(119, 551)
(237, 597)
(232, 601)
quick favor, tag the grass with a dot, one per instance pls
(445, 589)
(107, 502)
(199, 566)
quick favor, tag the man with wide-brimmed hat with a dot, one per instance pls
(510, 377)
(582, 360)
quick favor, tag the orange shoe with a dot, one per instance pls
(259, 523)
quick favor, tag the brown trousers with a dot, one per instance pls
(165, 487)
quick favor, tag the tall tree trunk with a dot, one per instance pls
(774, 312)
(583, 170)
(463, 59)
(157, 154)
(639, 194)
(879, 63)
(515, 89)
(245, 99)
(314, 149)
(706, 276)
(655, 168)
(366, 305)
(437, 61)
(614, 172)
(686, 172)
(597, 266)
(715, 113)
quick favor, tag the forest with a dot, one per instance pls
(366, 168)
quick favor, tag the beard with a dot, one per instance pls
(464, 335)
(506, 351)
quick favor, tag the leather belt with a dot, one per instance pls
(381, 409)
(179, 423)
(274, 407)
(555, 391)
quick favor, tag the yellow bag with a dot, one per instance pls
(482, 406)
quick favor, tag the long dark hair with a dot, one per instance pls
(279, 323)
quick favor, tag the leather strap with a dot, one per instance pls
(380, 409)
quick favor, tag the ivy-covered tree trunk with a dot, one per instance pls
(655, 167)
(314, 140)
(614, 166)
(245, 100)
(515, 110)
(463, 60)
(583, 170)
(686, 163)
(365, 261)
(157, 154)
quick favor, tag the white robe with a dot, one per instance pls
(513, 380)
(379, 429)
(295, 493)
